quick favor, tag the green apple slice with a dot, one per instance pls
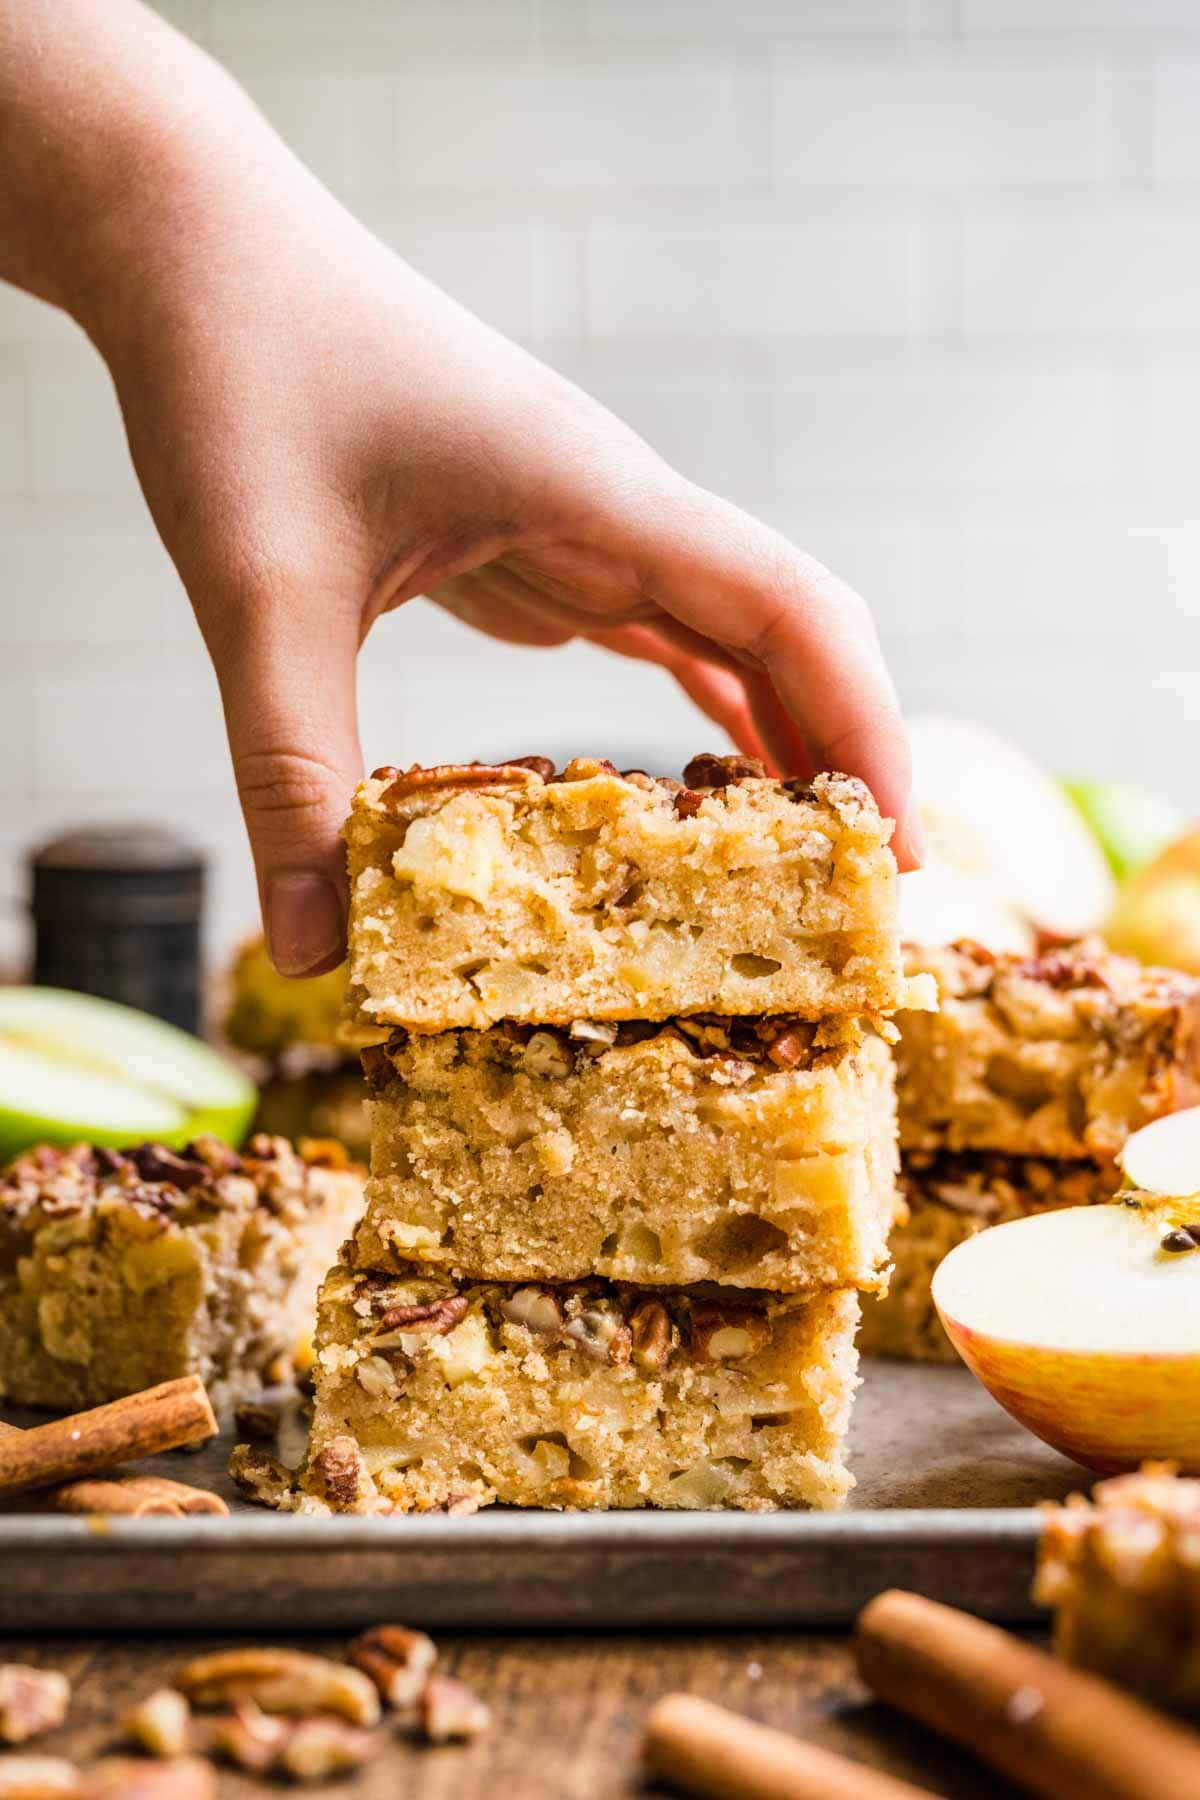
(1130, 824)
(74, 1068)
(1164, 1157)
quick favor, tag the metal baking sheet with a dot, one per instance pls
(944, 1504)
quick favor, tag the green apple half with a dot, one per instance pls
(74, 1068)
(1131, 825)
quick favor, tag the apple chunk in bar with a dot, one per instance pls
(122, 1269)
(437, 1394)
(945, 1200)
(754, 1152)
(1060, 1055)
(481, 893)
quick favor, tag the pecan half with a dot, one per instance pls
(31, 1701)
(280, 1681)
(449, 778)
(161, 1723)
(539, 765)
(449, 1711)
(721, 1333)
(397, 1660)
(435, 1316)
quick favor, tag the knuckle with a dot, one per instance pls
(290, 786)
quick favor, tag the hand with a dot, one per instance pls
(321, 435)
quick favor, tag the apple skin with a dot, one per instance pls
(1109, 1410)
(1131, 825)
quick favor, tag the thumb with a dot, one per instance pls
(287, 686)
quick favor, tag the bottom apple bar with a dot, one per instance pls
(949, 1198)
(436, 1394)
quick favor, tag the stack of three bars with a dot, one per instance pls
(1017, 1096)
(633, 1138)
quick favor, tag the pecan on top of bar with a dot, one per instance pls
(51, 1182)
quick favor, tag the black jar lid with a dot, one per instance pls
(127, 874)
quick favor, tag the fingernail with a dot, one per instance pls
(303, 919)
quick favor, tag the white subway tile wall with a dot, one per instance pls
(916, 280)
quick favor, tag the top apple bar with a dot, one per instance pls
(485, 892)
(1061, 1055)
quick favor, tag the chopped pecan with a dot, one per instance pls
(132, 1778)
(161, 1723)
(722, 1333)
(260, 1476)
(377, 1066)
(319, 1749)
(41, 1778)
(340, 1475)
(450, 1711)
(687, 803)
(650, 1335)
(249, 1739)
(536, 1308)
(31, 1701)
(397, 1660)
(435, 1316)
(280, 1681)
(154, 1162)
(708, 771)
(602, 1334)
(789, 1047)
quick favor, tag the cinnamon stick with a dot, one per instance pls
(134, 1496)
(91, 1443)
(703, 1749)
(1056, 1731)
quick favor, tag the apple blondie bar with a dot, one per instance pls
(267, 1015)
(121, 1269)
(755, 1152)
(948, 1198)
(1123, 1576)
(481, 893)
(436, 1394)
(1060, 1055)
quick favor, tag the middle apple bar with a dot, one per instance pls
(753, 1152)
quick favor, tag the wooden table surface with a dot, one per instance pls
(568, 1711)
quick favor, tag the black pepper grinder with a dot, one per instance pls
(116, 912)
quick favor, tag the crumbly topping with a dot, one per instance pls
(1100, 980)
(782, 1042)
(161, 1186)
(988, 1185)
(704, 776)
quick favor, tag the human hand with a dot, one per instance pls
(321, 435)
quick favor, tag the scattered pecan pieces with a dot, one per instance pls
(687, 803)
(449, 1711)
(602, 1334)
(161, 1723)
(539, 765)
(154, 1162)
(280, 1681)
(260, 1476)
(397, 1660)
(31, 1701)
(304, 1749)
